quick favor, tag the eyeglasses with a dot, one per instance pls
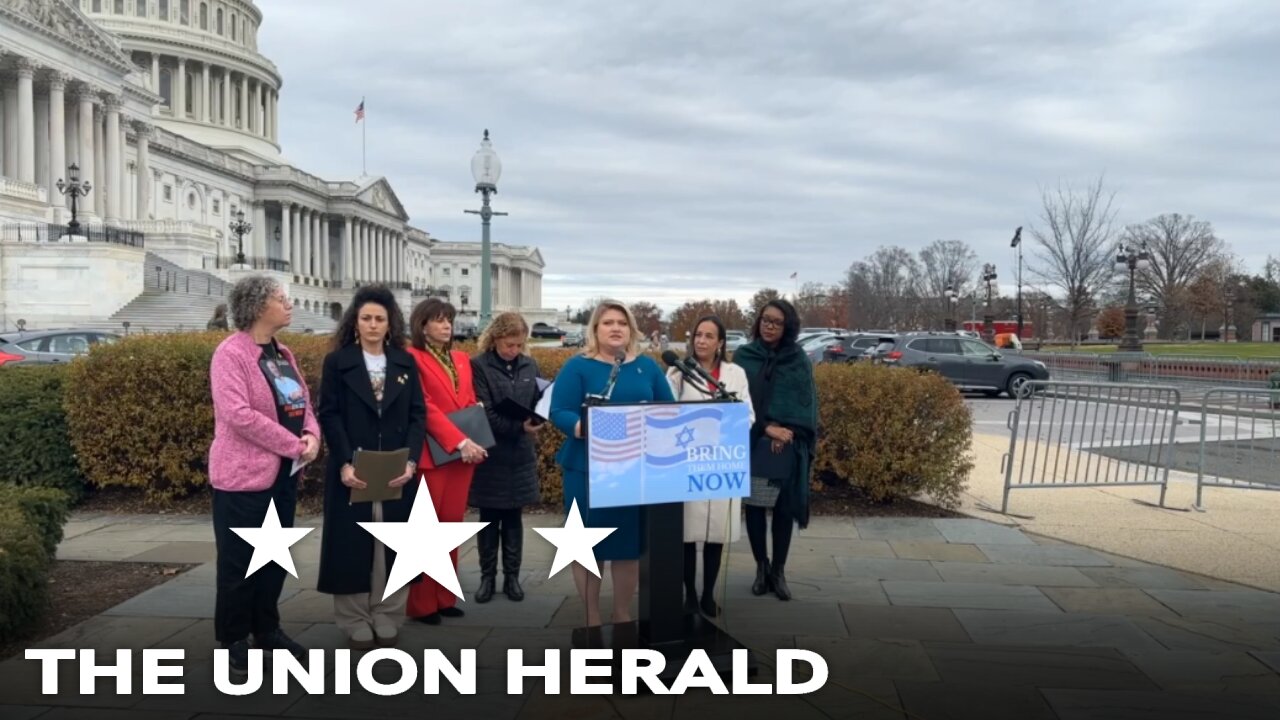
(770, 322)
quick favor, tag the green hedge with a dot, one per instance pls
(33, 424)
(139, 415)
(31, 521)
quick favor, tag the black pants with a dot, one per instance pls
(248, 605)
(505, 529)
(506, 517)
(783, 522)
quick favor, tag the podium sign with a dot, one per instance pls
(668, 453)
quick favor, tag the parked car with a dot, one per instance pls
(734, 339)
(850, 348)
(39, 347)
(543, 330)
(815, 345)
(967, 363)
(573, 339)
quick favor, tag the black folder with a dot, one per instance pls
(511, 409)
(473, 423)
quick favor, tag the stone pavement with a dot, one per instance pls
(916, 618)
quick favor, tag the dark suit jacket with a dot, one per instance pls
(352, 419)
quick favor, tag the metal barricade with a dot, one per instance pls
(1239, 440)
(1076, 434)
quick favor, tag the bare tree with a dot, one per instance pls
(1180, 247)
(947, 263)
(1074, 246)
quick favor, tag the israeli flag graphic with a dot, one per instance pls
(669, 439)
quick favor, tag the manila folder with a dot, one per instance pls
(377, 468)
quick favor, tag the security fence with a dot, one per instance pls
(1075, 434)
(1079, 434)
(1184, 371)
(1239, 441)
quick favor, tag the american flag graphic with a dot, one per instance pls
(617, 436)
(360, 110)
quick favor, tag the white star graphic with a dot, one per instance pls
(422, 544)
(271, 542)
(574, 543)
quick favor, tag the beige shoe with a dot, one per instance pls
(362, 638)
(386, 635)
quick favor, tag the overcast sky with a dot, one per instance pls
(673, 150)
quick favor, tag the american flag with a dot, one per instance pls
(360, 110)
(793, 275)
(616, 437)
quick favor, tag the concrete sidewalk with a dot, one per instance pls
(1237, 538)
(943, 618)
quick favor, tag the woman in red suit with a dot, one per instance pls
(446, 384)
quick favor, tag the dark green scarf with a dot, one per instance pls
(783, 392)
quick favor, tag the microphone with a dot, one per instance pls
(672, 360)
(693, 366)
(613, 375)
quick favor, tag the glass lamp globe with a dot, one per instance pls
(486, 168)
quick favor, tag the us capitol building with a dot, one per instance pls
(168, 109)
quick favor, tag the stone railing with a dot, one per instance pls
(289, 174)
(245, 53)
(173, 227)
(23, 190)
(164, 139)
(50, 233)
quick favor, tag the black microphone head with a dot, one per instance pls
(620, 358)
(670, 358)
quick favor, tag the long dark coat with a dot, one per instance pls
(352, 419)
(508, 478)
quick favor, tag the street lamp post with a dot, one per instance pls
(1017, 243)
(75, 188)
(988, 319)
(486, 169)
(1133, 259)
(1229, 329)
(953, 299)
(240, 228)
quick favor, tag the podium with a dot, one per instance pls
(715, 433)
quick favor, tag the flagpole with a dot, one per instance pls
(364, 128)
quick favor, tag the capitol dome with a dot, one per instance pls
(201, 57)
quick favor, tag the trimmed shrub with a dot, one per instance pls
(891, 433)
(550, 439)
(45, 508)
(30, 528)
(35, 450)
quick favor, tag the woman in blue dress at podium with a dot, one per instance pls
(611, 335)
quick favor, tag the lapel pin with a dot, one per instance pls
(400, 379)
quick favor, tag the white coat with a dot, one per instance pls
(716, 521)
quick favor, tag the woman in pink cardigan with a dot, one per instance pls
(262, 422)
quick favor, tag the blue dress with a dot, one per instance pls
(638, 381)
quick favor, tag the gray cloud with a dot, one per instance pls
(670, 150)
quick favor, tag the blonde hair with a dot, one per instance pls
(592, 346)
(508, 324)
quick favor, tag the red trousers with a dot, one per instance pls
(449, 486)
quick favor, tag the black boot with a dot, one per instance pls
(487, 548)
(763, 583)
(512, 551)
(690, 572)
(710, 570)
(779, 581)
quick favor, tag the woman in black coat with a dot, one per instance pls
(370, 399)
(508, 480)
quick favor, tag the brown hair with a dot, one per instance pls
(429, 309)
(508, 324)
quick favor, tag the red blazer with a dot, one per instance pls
(442, 399)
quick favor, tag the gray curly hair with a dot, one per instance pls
(248, 298)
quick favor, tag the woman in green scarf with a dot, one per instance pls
(783, 438)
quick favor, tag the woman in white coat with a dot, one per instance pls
(711, 522)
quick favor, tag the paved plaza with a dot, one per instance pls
(945, 618)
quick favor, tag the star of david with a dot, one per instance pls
(685, 437)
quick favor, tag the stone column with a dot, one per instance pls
(228, 112)
(155, 74)
(111, 173)
(380, 240)
(10, 149)
(286, 235)
(326, 270)
(99, 195)
(145, 180)
(304, 240)
(257, 109)
(42, 146)
(259, 243)
(317, 252)
(348, 268)
(26, 140)
(275, 116)
(206, 96)
(57, 136)
(243, 122)
(179, 87)
(366, 266)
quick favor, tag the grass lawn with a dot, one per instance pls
(1246, 350)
